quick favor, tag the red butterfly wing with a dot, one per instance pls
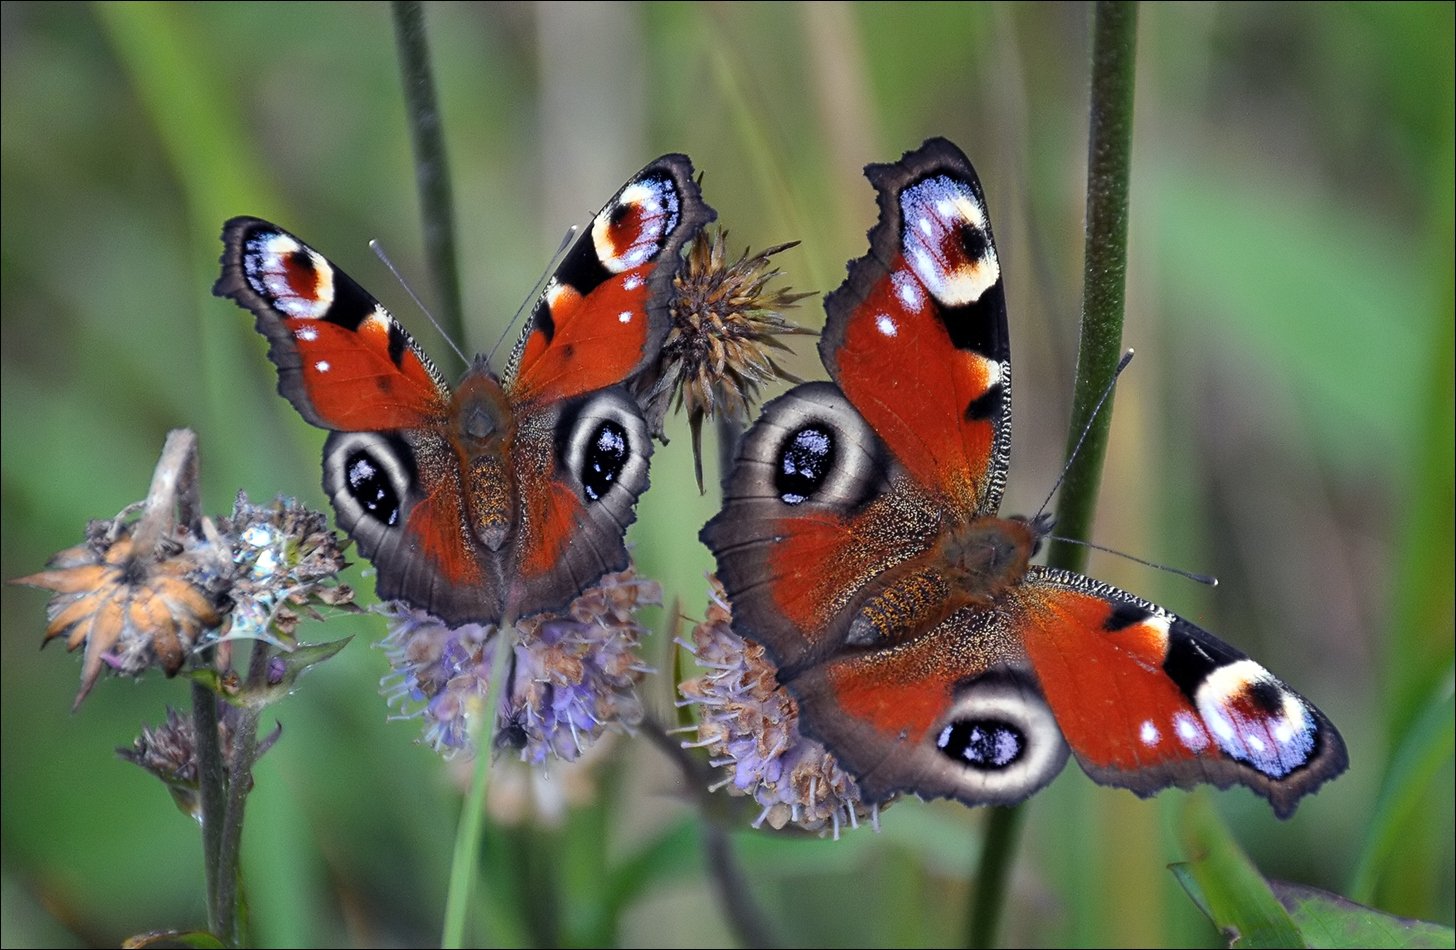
(342, 360)
(604, 313)
(811, 514)
(390, 468)
(916, 335)
(1147, 700)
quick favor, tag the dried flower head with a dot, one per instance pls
(169, 751)
(145, 591)
(750, 726)
(725, 325)
(134, 605)
(574, 673)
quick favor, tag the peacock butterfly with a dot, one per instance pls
(503, 498)
(859, 543)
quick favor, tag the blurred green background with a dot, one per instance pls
(1287, 424)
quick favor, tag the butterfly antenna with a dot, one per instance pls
(379, 252)
(535, 288)
(1096, 411)
(1207, 579)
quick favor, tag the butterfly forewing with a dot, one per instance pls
(604, 314)
(342, 360)
(916, 336)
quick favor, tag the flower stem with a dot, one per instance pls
(432, 171)
(465, 862)
(212, 788)
(1109, 160)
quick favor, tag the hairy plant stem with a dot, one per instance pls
(1109, 159)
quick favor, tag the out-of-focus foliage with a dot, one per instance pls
(1288, 424)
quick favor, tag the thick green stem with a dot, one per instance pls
(432, 171)
(1109, 161)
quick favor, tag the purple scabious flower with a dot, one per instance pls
(750, 726)
(574, 673)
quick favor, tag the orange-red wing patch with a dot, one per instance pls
(899, 367)
(1115, 705)
(437, 528)
(353, 383)
(598, 340)
(549, 522)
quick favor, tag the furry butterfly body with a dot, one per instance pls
(860, 543)
(504, 496)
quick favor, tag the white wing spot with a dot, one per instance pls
(306, 333)
(885, 325)
(1148, 733)
(322, 366)
(625, 316)
(633, 282)
(1189, 732)
(907, 288)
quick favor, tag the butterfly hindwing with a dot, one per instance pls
(810, 516)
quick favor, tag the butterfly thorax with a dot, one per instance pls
(971, 564)
(482, 428)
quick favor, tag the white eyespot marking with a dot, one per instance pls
(1148, 733)
(633, 282)
(631, 230)
(885, 325)
(1190, 732)
(306, 333)
(624, 317)
(1256, 719)
(947, 241)
(908, 289)
(322, 366)
(294, 278)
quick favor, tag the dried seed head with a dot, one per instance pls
(288, 561)
(725, 327)
(133, 608)
(169, 751)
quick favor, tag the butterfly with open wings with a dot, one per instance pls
(499, 499)
(859, 543)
